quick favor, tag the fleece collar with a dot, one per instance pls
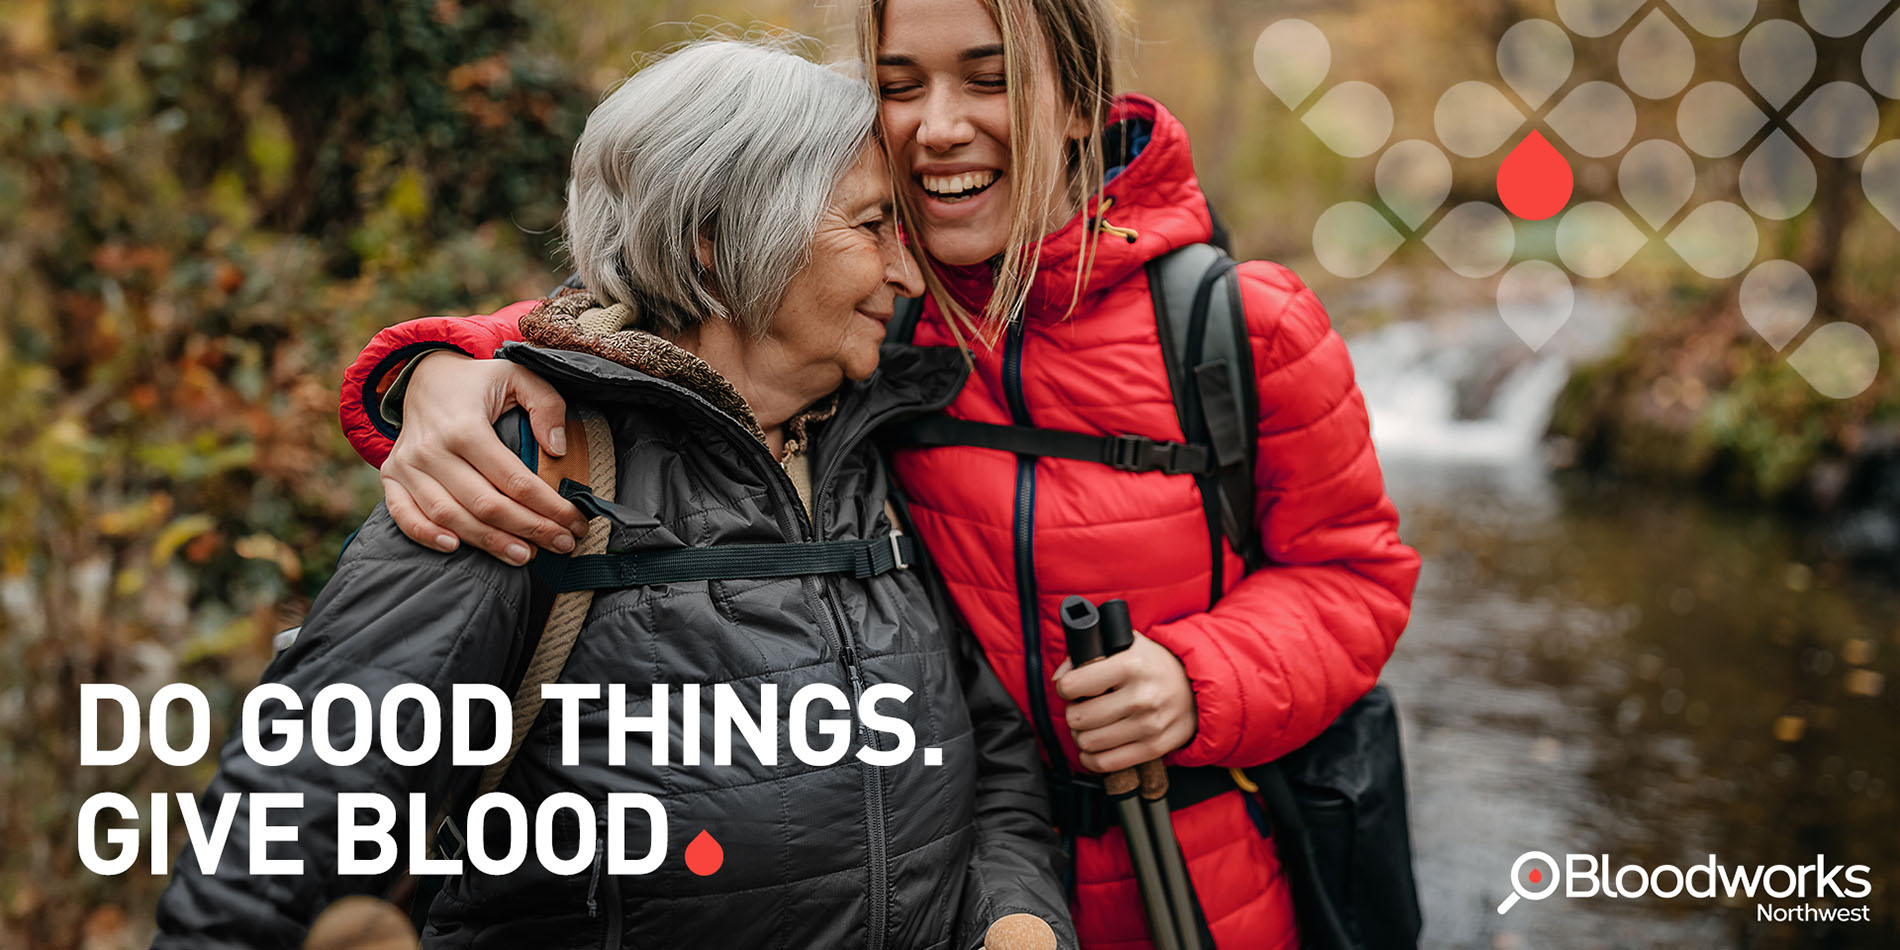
(577, 321)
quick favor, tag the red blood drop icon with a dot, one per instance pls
(1534, 182)
(704, 855)
(1536, 875)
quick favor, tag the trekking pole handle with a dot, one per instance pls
(1081, 629)
(1117, 633)
(1095, 633)
(1084, 629)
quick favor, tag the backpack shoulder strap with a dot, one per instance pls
(1173, 280)
(1209, 359)
(591, 456)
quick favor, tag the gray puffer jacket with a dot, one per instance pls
(845, 855)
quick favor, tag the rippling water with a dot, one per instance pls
(1604, 668)
(1598, 668)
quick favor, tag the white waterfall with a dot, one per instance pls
(1459, 386)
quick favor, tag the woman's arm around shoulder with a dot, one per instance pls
(394, 349)
(1289, 647)
(446, 478)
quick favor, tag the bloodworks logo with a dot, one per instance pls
(1538, 123)
(1533, 877)
(1536, 875)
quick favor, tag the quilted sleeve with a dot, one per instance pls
(1290, 646)
(396, 615)
(390, 351)
(1016, 867)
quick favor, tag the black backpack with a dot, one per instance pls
(1337, 805)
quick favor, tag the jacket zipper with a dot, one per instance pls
(880, 869)
(1025, 531)
(798, 525)
(794, 523)
(877, 835)
(876, 832)
(611, 935)
(878, 865)
(876, 842)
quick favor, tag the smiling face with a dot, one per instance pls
(830, 322)
(943, 86)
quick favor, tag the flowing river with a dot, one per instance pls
(1616, 669)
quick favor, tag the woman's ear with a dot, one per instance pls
(703, 253)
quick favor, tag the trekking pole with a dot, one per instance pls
(1020, 932)
(361, 923)
(1082, 627)
(1117, 633)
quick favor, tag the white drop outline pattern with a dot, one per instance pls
(1303, 94)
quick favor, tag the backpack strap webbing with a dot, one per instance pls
(591, 445)
(1129, 453)
(596, 571)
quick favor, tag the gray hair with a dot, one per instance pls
(735, 143)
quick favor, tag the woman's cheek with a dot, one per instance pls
(858, 357)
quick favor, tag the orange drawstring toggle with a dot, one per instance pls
(1101, 224)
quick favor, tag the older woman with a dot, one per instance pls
(730, 213)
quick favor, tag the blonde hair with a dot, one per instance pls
(1071, 42)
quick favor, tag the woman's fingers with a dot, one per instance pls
(458, 476)
(441, 506)
(1101, 710)
(408, 517)
(1130, 708)
(511, 498)
(1092, 679)
(1124, 757)
(1111, 736)
(547, 411)
(1130, 742)
(449, 436)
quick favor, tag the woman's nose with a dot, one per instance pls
(945, 124)
(901, 270)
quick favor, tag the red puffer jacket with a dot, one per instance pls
(1287, 648)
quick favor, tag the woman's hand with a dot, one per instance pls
(1130, 708)
(449, 479)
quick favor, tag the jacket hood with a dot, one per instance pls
(1155, 200)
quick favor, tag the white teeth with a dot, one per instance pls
(945, 185)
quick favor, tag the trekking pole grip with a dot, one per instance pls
(1154, 779)
(1115, 633)
(1081, 628)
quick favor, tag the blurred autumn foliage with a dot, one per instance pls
(205, 207)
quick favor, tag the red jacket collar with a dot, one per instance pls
(1157, 197)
